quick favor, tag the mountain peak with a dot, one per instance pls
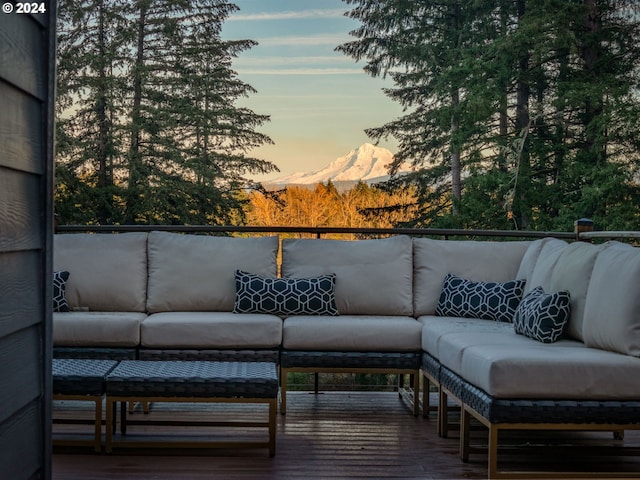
(366, 163)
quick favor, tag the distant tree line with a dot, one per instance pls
(323, 205)
(148, 130)
(518, 114)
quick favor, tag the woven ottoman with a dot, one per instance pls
(81, 380)
(193, 382)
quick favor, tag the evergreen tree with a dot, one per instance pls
(91, 48)
(538, 98)
(182, 141)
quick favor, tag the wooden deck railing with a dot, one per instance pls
(319, 232)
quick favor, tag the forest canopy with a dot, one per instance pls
(518, 114)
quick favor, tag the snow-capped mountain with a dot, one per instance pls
(367, 163)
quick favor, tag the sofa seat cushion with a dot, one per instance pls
(434, 328)
(352, 333)
(97, 329)
(211, 330)
(566, 370)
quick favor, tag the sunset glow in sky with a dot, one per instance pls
(320, 101)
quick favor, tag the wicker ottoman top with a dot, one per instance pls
(74, 376)
(140, 378)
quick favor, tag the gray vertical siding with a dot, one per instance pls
(27, 55)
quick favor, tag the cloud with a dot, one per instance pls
(288, 15)
(301, 71)
(333, 39)
(255, 61)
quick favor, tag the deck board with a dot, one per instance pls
(329, 435)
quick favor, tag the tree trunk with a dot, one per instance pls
(456, 167)
(522, 122)
(103, 208)
(135, 157)
(591, 56)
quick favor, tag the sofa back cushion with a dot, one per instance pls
(373, 277)
(572, 272)
(107, 272)
(476, 261)
(530, 258)
(612, 307)
(545, 262)
(197, 273)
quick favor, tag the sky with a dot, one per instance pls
(320, 101)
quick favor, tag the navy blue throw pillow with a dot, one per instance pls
(285, 296)
(485, 300)
(543, 316)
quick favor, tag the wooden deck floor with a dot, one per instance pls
(329, 435)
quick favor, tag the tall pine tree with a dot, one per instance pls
(182, 140)
(539, 98)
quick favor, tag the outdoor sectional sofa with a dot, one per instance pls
(162, 295)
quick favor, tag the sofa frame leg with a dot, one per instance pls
(465, 419)
(443, 413)
(283, 391)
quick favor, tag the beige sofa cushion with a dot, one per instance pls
(573, 273)
(436, 328)
(211, 330)
(197, 272)
(352, 333)
(612, 307)
(530, 257)
(373, 277)
(566, 369)
(546, 261)
(97, 329)
(493, 357)
(107, 272)
(473, 260)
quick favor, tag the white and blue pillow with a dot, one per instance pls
(485, 300)
(285, 296)
(543, 316)
(59, 289)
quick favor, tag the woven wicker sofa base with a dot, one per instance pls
(353, 362)
(210, 355)
(307, 359)
(99, 353)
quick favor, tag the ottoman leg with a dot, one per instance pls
(273, 406)
(109, 424)
(98, 425)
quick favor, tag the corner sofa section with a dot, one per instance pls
(583, 381)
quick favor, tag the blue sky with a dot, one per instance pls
(320, 101)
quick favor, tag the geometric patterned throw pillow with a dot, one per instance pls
(485, 300)
(59, 287)
(285, 296)
(543, 316)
